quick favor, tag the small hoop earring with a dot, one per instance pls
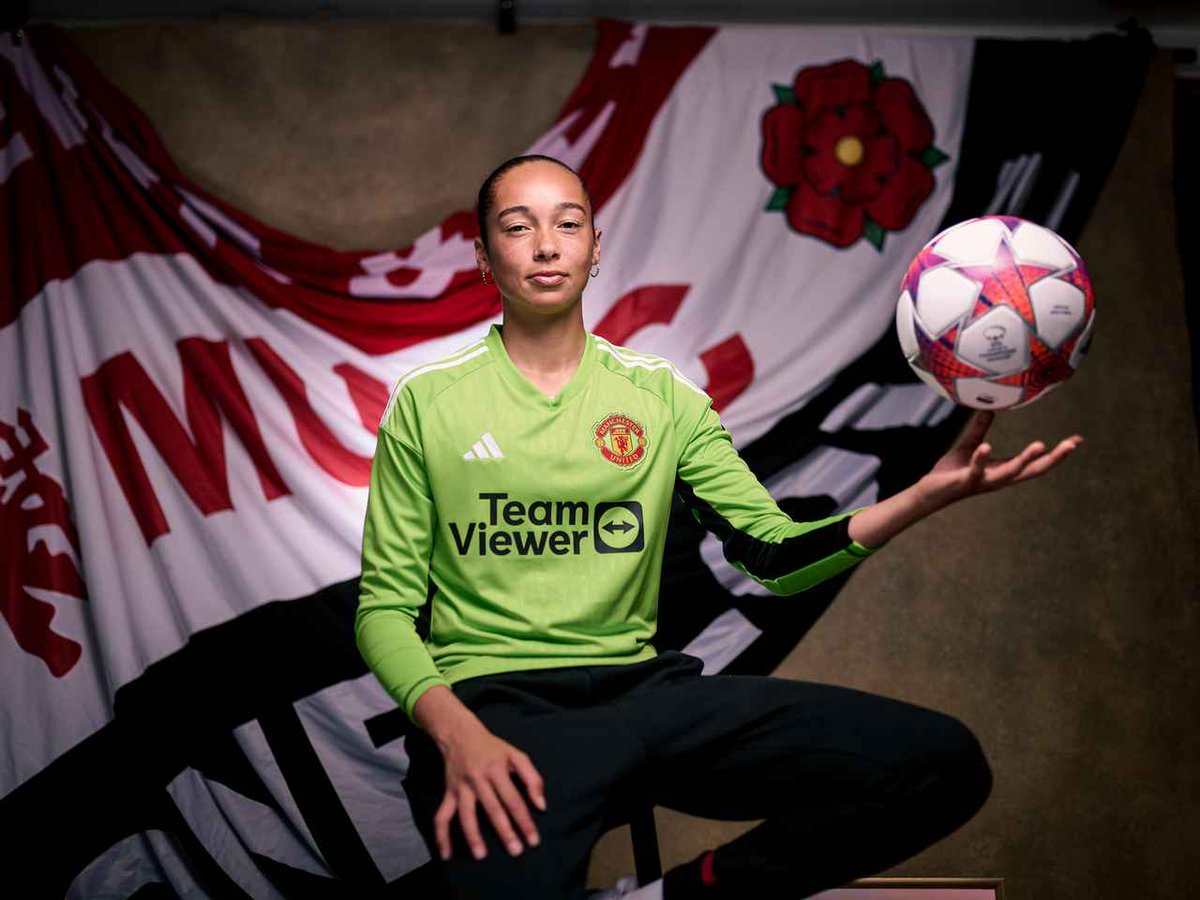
(595, 270)
(483, 275)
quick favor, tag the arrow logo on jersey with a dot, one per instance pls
(614, 523)
(485, 448)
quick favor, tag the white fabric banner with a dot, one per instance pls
(188, 404)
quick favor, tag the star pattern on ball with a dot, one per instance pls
(1047, 368)
(1001, 265)
(1077, 279)
(937, 357)
(922, 264)
(1005, 282)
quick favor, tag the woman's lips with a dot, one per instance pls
(548, 280)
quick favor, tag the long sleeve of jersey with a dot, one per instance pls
(397, 544)
(758, 538)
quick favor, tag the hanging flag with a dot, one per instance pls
(189, 400)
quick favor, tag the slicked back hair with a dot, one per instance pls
(487, 191)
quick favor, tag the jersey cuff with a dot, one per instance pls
(415, 692)
(855, 547)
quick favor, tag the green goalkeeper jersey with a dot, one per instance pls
(539, 522)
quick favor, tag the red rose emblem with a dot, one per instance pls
(850, 152)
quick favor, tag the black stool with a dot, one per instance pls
(644, 836)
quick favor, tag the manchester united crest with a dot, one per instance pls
(620, 439)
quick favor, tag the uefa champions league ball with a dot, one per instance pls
(995, 312)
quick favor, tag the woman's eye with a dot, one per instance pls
(572, 224)
(513, 227)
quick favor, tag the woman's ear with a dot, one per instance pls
(481, 259)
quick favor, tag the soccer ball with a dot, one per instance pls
(995, 312)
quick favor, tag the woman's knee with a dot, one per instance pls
(958, 761)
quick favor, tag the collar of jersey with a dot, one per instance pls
(525, 388)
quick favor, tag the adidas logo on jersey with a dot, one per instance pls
(485, 448)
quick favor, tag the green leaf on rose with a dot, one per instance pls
(874, 233)
(932, 156)
(784, 93)
(779, 199)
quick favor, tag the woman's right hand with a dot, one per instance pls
(479, 766)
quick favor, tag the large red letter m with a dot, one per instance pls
(210, 390)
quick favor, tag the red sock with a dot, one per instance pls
(691, 879)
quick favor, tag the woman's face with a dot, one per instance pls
(540, 236)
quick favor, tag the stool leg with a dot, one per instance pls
(644, 835)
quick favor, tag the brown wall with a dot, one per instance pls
(1059, 619)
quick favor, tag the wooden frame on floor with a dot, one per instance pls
(918, 889)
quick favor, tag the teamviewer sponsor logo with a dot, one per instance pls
(558, 527)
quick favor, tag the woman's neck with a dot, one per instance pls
(545, 346)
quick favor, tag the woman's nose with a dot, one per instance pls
(546, 248)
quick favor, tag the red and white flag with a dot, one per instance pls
(188, 404)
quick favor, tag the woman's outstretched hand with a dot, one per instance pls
(968, 469)
(965, 470)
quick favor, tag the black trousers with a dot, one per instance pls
(848, 783)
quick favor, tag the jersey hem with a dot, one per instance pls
(495, 665)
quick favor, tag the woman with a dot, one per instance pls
(531, 475)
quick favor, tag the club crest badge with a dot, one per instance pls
(620, 440)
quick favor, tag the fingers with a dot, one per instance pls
(532, 779)
(461, 801)
(520, 814)
(500, 788)
(1032, 462)
(977, 465)
(469, 822)
(495, 791)
(1000, 473)
(1064, 449)
(495, 811)
(441, 823)
(976, 427)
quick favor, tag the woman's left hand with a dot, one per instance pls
(964, 471)
(967, 468)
